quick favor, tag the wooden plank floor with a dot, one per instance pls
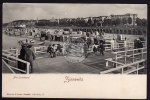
(93, 64)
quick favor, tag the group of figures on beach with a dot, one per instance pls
(66, 48)
(54, 50)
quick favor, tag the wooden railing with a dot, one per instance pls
(10, 57)
(40, 49)
(14, 51)
(108, 47)
(131, 53)
(123, 54)
(133, 68)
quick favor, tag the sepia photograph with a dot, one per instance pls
(51, 38)
(74, 38)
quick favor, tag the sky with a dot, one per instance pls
(28, 11)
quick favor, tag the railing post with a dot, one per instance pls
(121, 70)
(28, 67)
(112, 44)
(129, 45)
(125, 59)
(137, 68)
(132, 44)
(125, 44)
(142, 53)
(133, 54)
(16, 56)
(106, 63)
(116, 60)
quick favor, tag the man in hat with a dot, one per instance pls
(30, 56)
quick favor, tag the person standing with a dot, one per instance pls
(101, 46)
(139, 45)
(85, 48)
(50, 50)
(30, 56)
(89, 42)
(59, 49)
(21, 65)
(54, 50)
(135, 43)
(95, 41)
(26, 40)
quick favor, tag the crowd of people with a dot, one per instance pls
(57, 49)
(53, 49)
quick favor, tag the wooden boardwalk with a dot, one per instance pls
(93, 64)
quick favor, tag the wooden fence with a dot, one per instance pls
(124, 55)
(8, 57)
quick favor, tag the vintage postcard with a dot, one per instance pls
(75, 50)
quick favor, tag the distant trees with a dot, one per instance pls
(141, 22)
(124, 21)
(107, 22)
(81, 22)
(89, 22)
(46, 23)
(73, 22)
(95, 22)
(118, 21)
(113, 22)
(130, 20)
(144, 22)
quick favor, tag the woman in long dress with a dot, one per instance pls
(22, 65)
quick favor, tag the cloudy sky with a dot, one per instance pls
(27, 11)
